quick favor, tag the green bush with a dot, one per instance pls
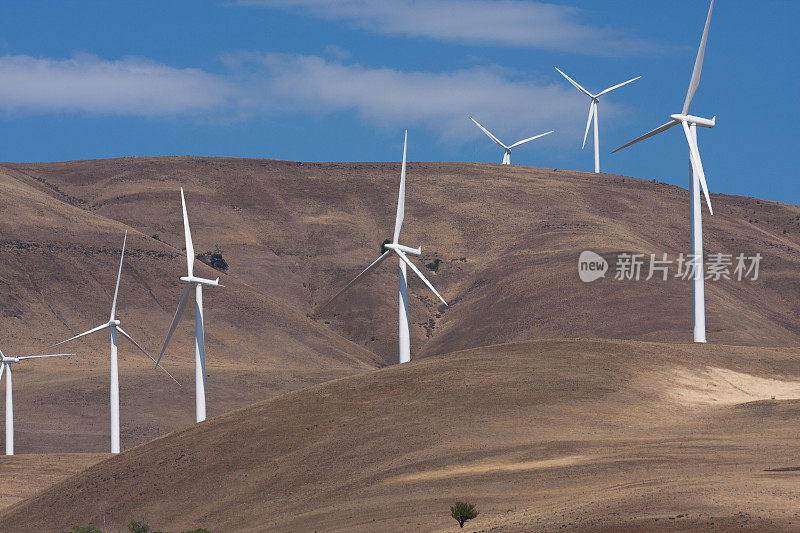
(214, 260)
(433, 266)
(138, 526)
(462, 512)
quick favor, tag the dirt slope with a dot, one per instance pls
(540, 435)
(57, 279)
(25, 475)
(509, 238)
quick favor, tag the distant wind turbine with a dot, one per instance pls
(401, 251)
(689, 124)
(5, 364)
(595, 98)
(114, 324)
(199, 335)
(507, 153)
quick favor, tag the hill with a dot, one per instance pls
(589, 434)
(508, 238)
(57, 280)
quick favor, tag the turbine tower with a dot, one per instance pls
(689, 124)
(595, 101)
(114, 324)
(507, 154)
(5, 364)
(199, 336)
(395, 247)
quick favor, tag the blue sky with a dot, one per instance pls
(322, 80)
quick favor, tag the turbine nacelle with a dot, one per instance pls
(114, 322)
(201, 281)
(691, 119)
(404, 249)
(9, 359)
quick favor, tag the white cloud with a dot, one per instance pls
(387, 98)
(89, 84)
(517, 23)
(258, 85)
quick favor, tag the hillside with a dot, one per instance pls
(57, 280)
(293, 233)
(508, 236)
(540, 435)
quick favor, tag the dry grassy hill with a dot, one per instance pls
(540, 435)
(507, 237)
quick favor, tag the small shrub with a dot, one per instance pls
(138, 526)
(433, 266)
(214, 260)
(156, 237)
(462, 512)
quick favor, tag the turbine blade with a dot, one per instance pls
(2, 367)
(175, 320)
(487, 132)
(697, 164)
(401, 198)
(48, 355)
(588, 123)
(663, 127)
(98, 328)
(145, 352)
(188, 234)
(698, 64)
(418, 273)
(363, 273)
(523, 141)
(606, 91)
(575, 83)
(119, 274)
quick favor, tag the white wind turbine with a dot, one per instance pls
(199, 335)
(689, 124)
(5, 364)
(593, 113)
(114, 324)
(507, 154)
(401, 251)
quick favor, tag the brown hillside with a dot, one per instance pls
(540, 435)
(57, 279)
(293, 233)
(509, 238)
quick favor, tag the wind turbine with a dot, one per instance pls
(5, 364)
(401, 251)
(507, 154)
(114, 324)
(689, 124)
(199, 335)
(595, 98)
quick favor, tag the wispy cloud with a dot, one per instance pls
(517, 23)
(272, 85)
(89, 84)
(388, 98)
